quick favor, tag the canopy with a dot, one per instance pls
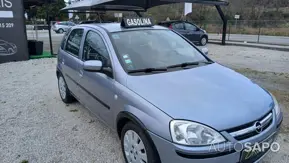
(135, 5)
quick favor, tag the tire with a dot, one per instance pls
(60, 31)
(134, 152)
(203, 41)
(64, 92)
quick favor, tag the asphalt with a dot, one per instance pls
(272, 40)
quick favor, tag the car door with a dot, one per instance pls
(179, 27)
(70, 59)
(192, 32)
(97, 87)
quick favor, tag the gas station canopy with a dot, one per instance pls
(136, 5)
(142, 5)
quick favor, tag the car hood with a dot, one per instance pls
(213, 95)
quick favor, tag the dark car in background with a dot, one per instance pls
(189, 30)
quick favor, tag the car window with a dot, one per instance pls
(178, 26)
(190, 27)
(153, 49)
(73, 42)
(70, 23)
(94, 49)
(65, 38)
(62, 23)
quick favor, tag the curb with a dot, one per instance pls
(261, 46)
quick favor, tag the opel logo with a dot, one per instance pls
(258, 127)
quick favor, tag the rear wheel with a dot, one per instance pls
(136, 146)
(204, 41)
(64, 91)
(60, 31)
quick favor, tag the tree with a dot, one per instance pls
(53, 10)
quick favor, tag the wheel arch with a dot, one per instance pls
(58, 73)
(205, 35)
(125, 117)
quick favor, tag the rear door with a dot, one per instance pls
(70, 59)
(192, 32)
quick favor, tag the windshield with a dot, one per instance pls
(142, 49)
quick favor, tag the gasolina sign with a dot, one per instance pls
(13, 41)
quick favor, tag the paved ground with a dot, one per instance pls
(278, 40)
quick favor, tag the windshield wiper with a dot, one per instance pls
(186, 64)
(148, 70)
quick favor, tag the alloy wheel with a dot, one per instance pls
(62, 87)
(134, 148)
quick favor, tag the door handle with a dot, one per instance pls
(81, 73)
(63, 62)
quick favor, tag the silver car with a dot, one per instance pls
(61, 27)
(167, 101)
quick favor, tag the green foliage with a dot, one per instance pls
(53, 10)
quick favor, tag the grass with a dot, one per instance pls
(75, 110)
(44, 55)
(24, 161)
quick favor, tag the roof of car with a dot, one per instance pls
(116, 27)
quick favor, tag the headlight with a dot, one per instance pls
(276, 105)
(194, 134)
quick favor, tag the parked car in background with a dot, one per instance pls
(61, 27)
(94, 21)
(189, 30)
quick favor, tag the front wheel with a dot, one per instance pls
(203, 41)
(136, 146)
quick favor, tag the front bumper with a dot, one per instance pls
(171, 153)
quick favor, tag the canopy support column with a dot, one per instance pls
(224, 19)
(138, 13)
(49, 27)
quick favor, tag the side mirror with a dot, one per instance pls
(205, 51)
(92, 66)
(198, 29)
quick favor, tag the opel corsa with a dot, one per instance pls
(167, 100)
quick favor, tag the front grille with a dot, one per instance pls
(249, 130)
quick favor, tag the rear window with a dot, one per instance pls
(62, 23)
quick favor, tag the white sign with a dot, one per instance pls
(188, 8)
(118, 15)
(237, 16)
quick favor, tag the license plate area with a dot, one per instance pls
(256, 151)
